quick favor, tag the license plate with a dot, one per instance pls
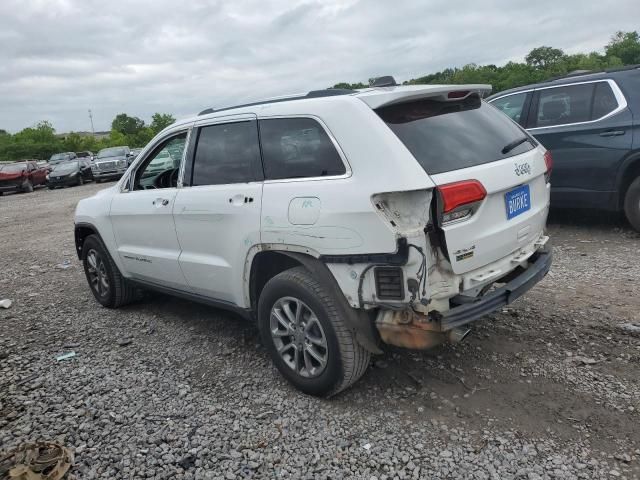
(517, 201)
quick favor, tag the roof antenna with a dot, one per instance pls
(386, 81)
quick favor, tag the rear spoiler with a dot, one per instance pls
(381, 97)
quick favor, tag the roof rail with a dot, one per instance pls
(328, 92)
(579, 73)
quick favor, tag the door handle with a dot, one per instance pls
(612, 133)
(160, 202)
(240, 199)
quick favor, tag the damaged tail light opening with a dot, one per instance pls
(459, 200)
(548, 161)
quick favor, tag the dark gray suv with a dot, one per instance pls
(591, 124)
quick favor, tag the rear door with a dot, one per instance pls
(217, 213)
(587, 126)
(471, 150)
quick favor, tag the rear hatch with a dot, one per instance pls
(492, 190)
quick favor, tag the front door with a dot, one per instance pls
(217, 213)
(142, 216)
(588, 130)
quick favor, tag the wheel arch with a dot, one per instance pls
(267, 263)
(628, 173)
(81, 231)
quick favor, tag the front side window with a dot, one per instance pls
(511, 105)
(298, 148)
(160, 169)
(227, 153)
(563, 105)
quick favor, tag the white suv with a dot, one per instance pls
(337, 220)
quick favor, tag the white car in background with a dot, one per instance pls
(337, 220)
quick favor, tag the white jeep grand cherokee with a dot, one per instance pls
(337, 220)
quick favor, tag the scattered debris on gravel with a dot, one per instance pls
(546, 388)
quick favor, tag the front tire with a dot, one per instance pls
(107, 284)
(80, 180)
(27, 187)
(632, 204)
(305, 335)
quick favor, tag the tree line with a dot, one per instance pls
(41, 141)
(541, 63)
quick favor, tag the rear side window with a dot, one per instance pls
(562, 105)
(227, 153)
(297, 148)
(604, 101)
(450, 135)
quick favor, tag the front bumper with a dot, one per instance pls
(468, 309)
(107, 175)
(10, 187)
(62, 182)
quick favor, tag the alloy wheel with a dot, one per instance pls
(298, 337)
(97, 272)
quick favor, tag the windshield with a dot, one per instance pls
(112, 152)
(59, 157)
(450, 135)
(65, 167)
(13, 168)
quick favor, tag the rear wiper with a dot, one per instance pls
(510, 146)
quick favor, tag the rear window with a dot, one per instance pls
(450, 135)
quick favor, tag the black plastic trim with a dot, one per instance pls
(400, 257)
(468, 310)
(231, 307)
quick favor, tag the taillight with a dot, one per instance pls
(458, 94)
(460, 200)
(548, 161)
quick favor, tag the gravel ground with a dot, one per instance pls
(548, 388)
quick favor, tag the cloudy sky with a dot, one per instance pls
(58, 58)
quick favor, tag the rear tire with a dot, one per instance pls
(294, 334)
(106, 282)
(27, 187)
(632, 204)
(80, 180)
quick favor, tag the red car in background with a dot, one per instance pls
(22, 176)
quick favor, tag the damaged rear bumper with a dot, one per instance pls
(468, 309)
(411, 329)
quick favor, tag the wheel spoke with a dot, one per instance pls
(320, 358)
(298, 337)
(286, 308)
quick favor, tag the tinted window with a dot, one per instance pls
(570, 104)
(449, 135)
(227, 153)
(604, 101)
(511, 105)
(297, 147)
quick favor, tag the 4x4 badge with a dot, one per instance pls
(523, 168)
